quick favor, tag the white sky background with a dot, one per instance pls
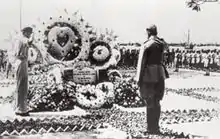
(128, 18)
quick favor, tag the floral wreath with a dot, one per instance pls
(91, 96)
(94, 55)
(52, 38)
(107, 42)
(73, 33)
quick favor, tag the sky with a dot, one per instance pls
(128, 18)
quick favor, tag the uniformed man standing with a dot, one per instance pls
(151, 75)
(206, 63)
(218, 60)
(178, 63)
(21, 55)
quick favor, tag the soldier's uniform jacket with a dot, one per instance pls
(210, 58)
(213, 57)
(218, 59)
(200, 58)
(193, 58)
(179, 57)
(150, 62)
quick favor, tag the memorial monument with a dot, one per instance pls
(68, 50)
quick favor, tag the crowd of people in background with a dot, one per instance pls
(198, 59)
(5, 66)
(176, 58)
(129, 58)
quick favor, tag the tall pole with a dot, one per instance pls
(188, 37)
(20, 14)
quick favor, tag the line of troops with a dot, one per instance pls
(129, 58)
(197, 59)
(188, 58)
(3, 61)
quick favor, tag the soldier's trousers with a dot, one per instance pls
(22, 87)
(153, 93)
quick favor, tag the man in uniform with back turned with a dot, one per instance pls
(151, 75)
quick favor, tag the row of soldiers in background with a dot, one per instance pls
(208, 60)
(3, 61)
(129, 58)
(5, 66)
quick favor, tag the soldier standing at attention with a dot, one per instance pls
(187, 57)
(201, 65)
(206, 62)
(172, 58)
(218, 60)
(21, 65)
(151, 75)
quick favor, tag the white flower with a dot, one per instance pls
(118, 90)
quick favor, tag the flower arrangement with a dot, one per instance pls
(127, 94)
(108, 90)
(71, 39)
(114, 76)
(45, 74)
(104, 52)
(44, 88)
(82, 64)
(46, 84)
(56, 97)
(91, 96)
(100, 52)
(65, 38)
(32, 55)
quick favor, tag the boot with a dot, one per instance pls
(157, 112)
(149, 119)
(207, 73)
(153, 115)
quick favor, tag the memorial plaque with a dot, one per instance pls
(68, 74)
(84, 76)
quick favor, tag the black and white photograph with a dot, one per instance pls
(110, 69)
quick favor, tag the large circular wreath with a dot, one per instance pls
(64, 38)
(100, 53)
(64, 41)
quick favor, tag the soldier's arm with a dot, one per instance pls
(141, 59)
(17, 49)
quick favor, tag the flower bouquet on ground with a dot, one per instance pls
(55, 97)
(94, 97)
(127, 94)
